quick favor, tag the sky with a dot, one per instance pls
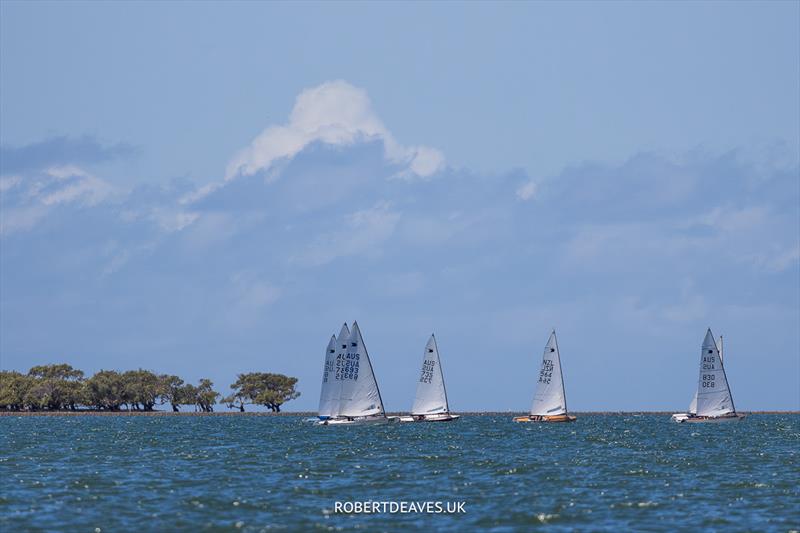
(207, 189)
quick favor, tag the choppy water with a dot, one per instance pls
(252, 473)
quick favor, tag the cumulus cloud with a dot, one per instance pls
(334, 113)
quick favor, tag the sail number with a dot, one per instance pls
(347, 366)
(708, 362)
(708, 381)
(427, 371)
(546, 373)
(329, 367)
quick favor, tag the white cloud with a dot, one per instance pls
(36, 195)
(334, 113)
(362, 232)
(13, 219)
(527, 191)
(74, 185)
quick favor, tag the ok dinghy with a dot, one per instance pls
(550, 400)
(355, 398)
(430, 401)
(712, 401)
(329, 393)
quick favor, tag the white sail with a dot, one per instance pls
(550, 398)
(693, 405)
(325, 407)
(329, 394)
(713, 393)
(359, 390)
(431, 397)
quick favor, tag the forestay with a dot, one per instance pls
(329, 395)
(431, 396)
(359, 390)
(550, 399)
(713, 394)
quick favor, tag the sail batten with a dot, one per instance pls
(550, 397)
(431, 395)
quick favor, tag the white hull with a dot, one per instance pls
(442, 417)
(357, 421)
(694, 419)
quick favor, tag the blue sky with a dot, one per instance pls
(207, 189)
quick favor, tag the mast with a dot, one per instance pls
(722, 364)
(561, 372)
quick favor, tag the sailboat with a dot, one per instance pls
(430, 401)
(550, 400)
(713, 401)
(355, 397)
(329, 392)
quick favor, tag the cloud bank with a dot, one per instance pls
(630, 261)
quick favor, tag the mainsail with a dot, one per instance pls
(431, 396)
(359, 390)
(327, 383)
(550, 398)
(329, 395)
(713, 394)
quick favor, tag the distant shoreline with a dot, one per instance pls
(314, 414)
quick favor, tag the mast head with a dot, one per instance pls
(344, 332)
(708, 341)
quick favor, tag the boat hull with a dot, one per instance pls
(682, 418)
(545, 418)
(444, 417)
(357, 421)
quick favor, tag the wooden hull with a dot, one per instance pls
(445, 417)
(544, 418)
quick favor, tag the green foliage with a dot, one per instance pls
(171, 391)
(54, 387)
(206, 396)
(59, 387)
(262, 388)
(14, 390)
(142, 389)
(106, 390)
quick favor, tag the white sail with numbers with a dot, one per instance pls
(360, 395)
(331, 388)
(713, 393)
(550, 398)
(431, 396)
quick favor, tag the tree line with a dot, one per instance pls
(63, 388)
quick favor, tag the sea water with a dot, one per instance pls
(253, 473)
